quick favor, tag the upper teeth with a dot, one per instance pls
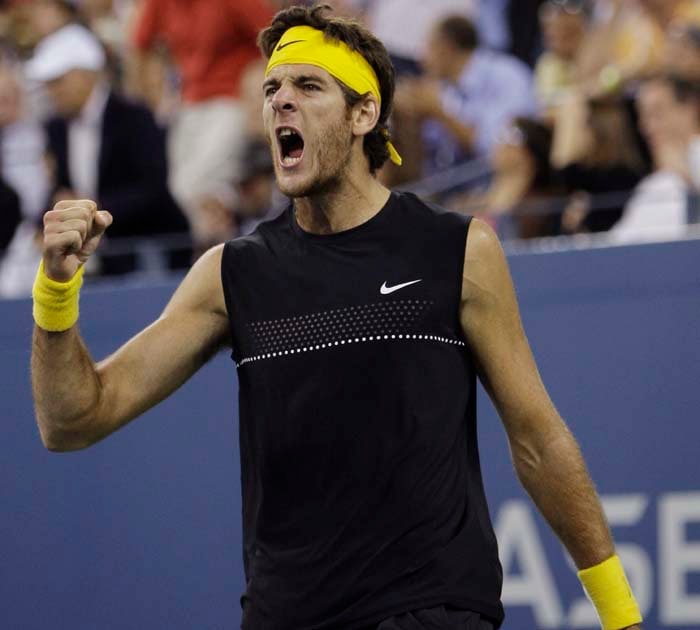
(286, 132)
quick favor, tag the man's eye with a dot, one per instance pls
(310, 87)
(269, 91)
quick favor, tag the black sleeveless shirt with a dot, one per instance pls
(362, 490)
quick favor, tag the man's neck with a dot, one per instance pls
(352, 202)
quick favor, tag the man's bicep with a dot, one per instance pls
(490, 319)
(154, 363)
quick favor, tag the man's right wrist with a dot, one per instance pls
(55, 307)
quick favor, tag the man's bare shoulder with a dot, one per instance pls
(202, 289)
(485, 266)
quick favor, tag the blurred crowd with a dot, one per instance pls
(549, 116)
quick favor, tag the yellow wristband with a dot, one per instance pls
(56, 303)
(607, 587)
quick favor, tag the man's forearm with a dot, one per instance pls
(554, 474)
(66, 388)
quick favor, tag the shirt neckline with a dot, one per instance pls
(372, 224)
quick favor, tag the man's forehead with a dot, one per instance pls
(296, 70)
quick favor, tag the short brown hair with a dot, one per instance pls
(357, 38)
(460, 31)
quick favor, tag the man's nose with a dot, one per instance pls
(284, 99)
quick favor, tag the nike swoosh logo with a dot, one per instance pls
(294, 41)
(385, 290)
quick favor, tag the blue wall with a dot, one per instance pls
(142, 530)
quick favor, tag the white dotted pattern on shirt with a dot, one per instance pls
(381, 321)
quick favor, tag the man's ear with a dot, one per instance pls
(365, 115)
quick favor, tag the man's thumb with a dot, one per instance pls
(104, 219)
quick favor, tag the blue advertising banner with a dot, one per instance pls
(143, 529)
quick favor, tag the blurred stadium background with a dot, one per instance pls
(572, 126)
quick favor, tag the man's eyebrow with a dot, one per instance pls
(297, 80)
(303, 78)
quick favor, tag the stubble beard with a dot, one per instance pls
(331, 162)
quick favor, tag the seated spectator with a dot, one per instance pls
(257, 198)
(23, 183)
(468, 96)
(598, 157)
(524, 196)
(669, 110)
(210, 43)
(564, 24)
(102, 146)
(10, 213)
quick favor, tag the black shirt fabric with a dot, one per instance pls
(362, 490)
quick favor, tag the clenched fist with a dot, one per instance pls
(72, 231)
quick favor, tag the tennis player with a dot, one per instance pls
(359, 321)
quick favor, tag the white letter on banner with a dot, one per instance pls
(517, 534)
(621, 510)
(678, 557)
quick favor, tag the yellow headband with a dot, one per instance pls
(305, 44)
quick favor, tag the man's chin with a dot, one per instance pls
(293, 190)
(307, 185)
(294, 187)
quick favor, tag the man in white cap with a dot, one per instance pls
(103, 146)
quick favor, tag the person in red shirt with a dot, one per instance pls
(211, 42)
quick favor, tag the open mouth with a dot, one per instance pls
(291, 146)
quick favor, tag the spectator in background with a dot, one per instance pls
(258, 197)
(669, 110)
(10, 114)
(524, 195)
(598, 157)
(211, 43)
(564, 25)
(102, 146)
(627, 40)
(24, 183)
(404, 27)
(48, 16)
(468, 96)
(110, 20)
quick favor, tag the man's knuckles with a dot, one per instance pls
(88, 204)
(56, 217)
